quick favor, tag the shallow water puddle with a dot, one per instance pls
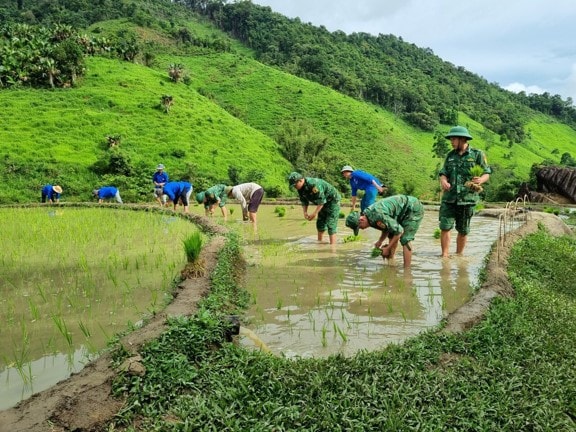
(312, 299)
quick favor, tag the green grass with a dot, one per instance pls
(513, 371)
(230, 114)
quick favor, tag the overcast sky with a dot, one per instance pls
(525, 45)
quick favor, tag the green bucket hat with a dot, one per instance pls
(458, 131)
(353, 221)
(293, 178)
(200, 197)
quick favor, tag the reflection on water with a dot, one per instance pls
(312, 299)
(47, 371)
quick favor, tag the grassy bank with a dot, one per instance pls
(514, 371)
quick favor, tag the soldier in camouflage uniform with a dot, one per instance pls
(459, 188)
(326, 198)
(211, 197)
(398, 217)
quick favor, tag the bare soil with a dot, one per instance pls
(84, 403)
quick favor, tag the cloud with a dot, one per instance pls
(519, 87)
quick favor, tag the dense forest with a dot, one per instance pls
(44, 44)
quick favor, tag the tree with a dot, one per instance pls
(440, 147)
(567, 160)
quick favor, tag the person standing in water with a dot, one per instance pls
(460, 186)
(326, 198)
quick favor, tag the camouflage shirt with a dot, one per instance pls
(456, 169)
(215, 193)
(388, 214)
(318, 192)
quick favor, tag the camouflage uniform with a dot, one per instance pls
(458, 202)
(214, 193)
(319, 192)
(397, 214)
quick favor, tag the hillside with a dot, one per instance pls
(227, 123)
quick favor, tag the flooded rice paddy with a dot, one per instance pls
(70, 280)
(312, 299)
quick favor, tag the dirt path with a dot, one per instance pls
(84, 402)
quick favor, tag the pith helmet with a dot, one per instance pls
(57, 189)
(346, 168)
(459, 131)
(200, 197)
(294, 177)
(353, 221)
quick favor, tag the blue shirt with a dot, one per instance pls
(107, 192)
(363, 181)
(175, 190)
(50, 193)
(160, 177)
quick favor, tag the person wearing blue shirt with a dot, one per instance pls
(51, 193)
(360, 180)
(107, 192)
(178, 191)
(160, 178)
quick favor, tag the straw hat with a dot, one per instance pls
(57, 189)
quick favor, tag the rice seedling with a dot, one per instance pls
(280, 211)
(73, 264)
(34, 312)
(343, 335)
(193, 246)
(376, 252)
(85, 330)
(62, 328)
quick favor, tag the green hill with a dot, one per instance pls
(233, 119)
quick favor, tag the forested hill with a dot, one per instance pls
(403, 78)
(214, 81)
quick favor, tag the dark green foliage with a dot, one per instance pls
(567, 160)
(41, 57)
(234, 175)
(551, 105)
(115, 161)
(274, 191)
(300, 144)
(441, 146)
(255, 176)
(503, 185)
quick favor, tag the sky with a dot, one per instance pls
(521, 45)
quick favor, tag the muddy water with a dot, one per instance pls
(313, 299)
